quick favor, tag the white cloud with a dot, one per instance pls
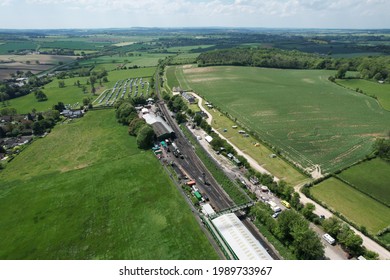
(5, 2)
(269, 13)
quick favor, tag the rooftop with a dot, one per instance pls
(239, 238)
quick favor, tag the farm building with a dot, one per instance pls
(160, 127)
(242, 243)
(189, 97)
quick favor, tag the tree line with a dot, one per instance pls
(377, 68)
(126, 114)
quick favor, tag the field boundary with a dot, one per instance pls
(356, 188)
(306, 191)
(361, 92)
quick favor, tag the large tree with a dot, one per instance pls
(332, 226)
(145, 137)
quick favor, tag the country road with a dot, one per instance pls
(370, 244)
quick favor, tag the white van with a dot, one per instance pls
(329, 239)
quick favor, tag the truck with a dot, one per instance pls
(198, 195)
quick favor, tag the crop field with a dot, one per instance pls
(71, 94)
(381, 91)
(356, 206)
(307, 118)
(139, 59)
(185, 58)
(86, 191)
(35, 63)
(8, 47)
(276, 166)
(371, 177)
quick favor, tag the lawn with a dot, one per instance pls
(371, 177)
(72, 94)
(381, 91)
(86, 192)
(353, 204)
(300, 112)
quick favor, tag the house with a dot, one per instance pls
(72, 114)
(189, 97)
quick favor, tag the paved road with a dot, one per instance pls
(333, 252)
(251, 161)
(370, 244)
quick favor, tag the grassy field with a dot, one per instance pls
(86, 192)
(371, 177)
(71, 94)
(139, 59)
(381, 91)
(299, 112)
(356, 206)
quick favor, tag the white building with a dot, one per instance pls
(244, 245)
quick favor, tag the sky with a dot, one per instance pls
(47, 14)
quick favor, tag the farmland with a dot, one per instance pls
(381, 91)
(35, 63)
(299, 112)
(72, 94)
(86, 192)
(136, 59)
(371, 177)
(353, 204)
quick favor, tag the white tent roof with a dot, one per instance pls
(239, 238)
(208, 138)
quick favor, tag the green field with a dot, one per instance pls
(309, 119)
(71, 94)
(381, 91)
(86, 191)
(356, 206)
(276, 166)
(371, 177)
(140, 59)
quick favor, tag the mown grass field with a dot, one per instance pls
(356, 206)
(87, 192)
(72, 94)
(309, 119)
(381, 91)
(371, 177)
